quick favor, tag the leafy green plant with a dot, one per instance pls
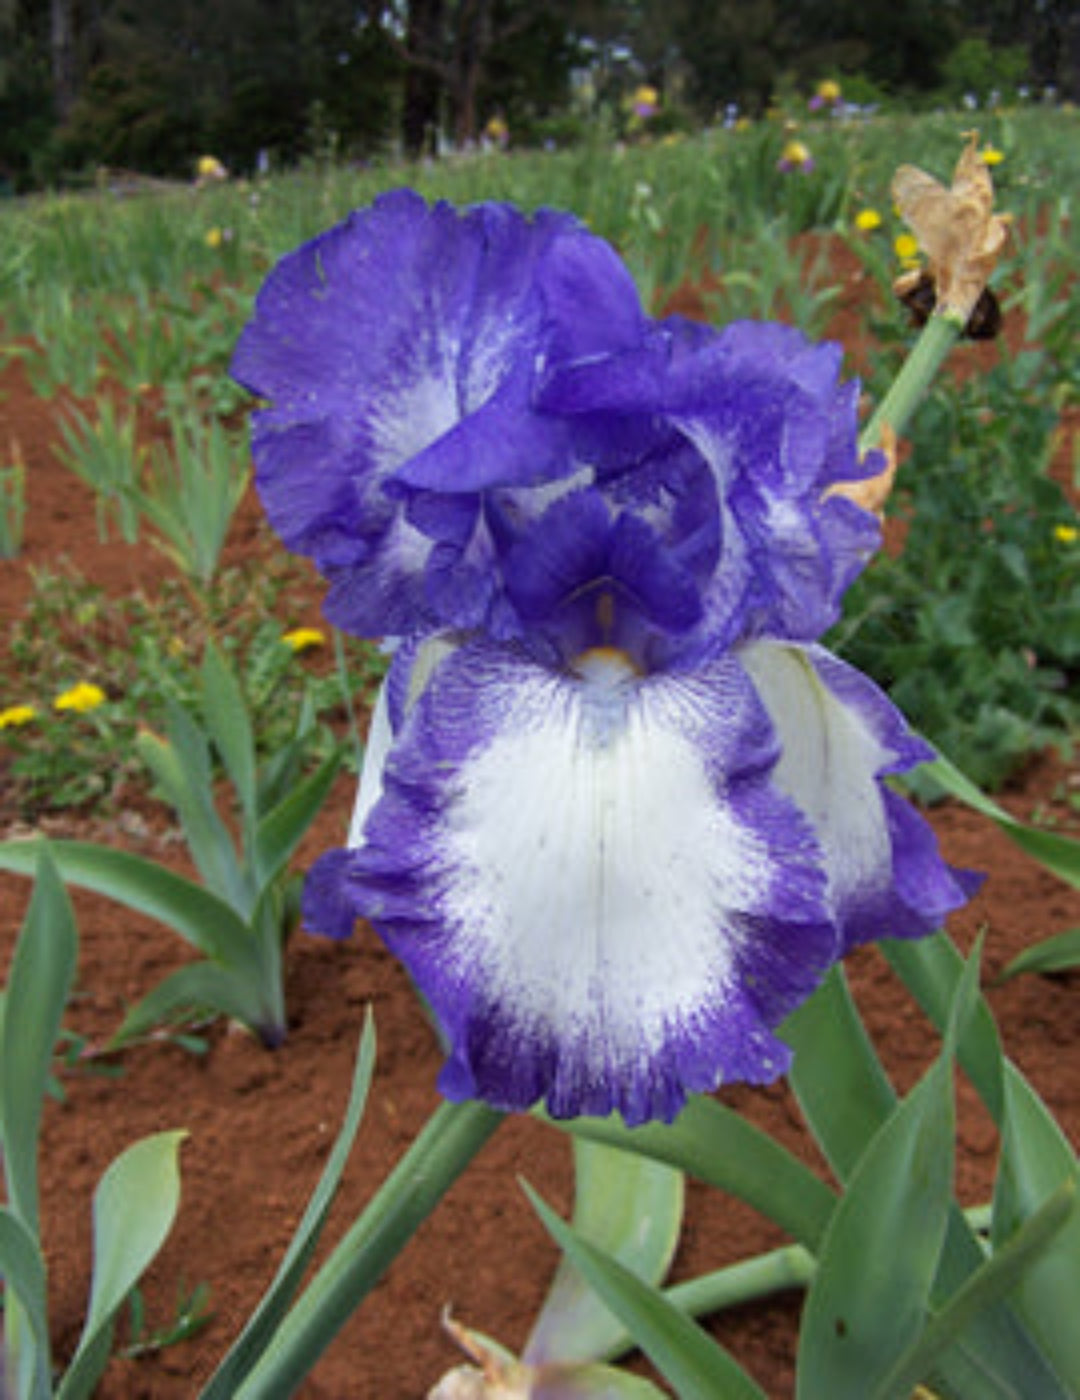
(241, 915)
(142, 651)
(135, 1201)
(12, 505)
(192, 489)
(104, 454)
(974, 626)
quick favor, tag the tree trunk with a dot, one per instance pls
(423, 87)
(62, 49)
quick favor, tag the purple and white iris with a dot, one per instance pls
(619, 811)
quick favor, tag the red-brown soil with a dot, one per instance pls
(261, 1122)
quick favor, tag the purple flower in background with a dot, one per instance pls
(619, 810)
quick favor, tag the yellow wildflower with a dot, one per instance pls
(15, 716)
(828, 92)
(81, 697)
(795, 156)
(645, 101)
(210, 168)
(991, 156)
(214, 237)
(1064, 534)
(959, 232)
(303, 638)
(866, 220)
(497, 131)
(906, 248)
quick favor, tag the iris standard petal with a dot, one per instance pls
(840, 738)
(399, 349)
(592, 880)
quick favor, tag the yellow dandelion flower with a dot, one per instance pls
(303, 639)
(1064, 534)
(80, 698)
(906, 247)
(213, 238)
(828, 91)
(991, 156)
(743, 124)
(866, 220)
(15, 716)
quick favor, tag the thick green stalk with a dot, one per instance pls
(939, 335)
(449, 1141)
(775, 1271)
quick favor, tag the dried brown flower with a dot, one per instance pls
(956, 227)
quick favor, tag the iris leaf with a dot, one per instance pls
(1001, 1273)
(226, 716)
(23, 1271)
(134, 1207)
(632, 1208)
(39, 984)
(263, 1323)
(684, 1354)
(718, 1146)
(199, 916)
(1035, 1160)
(1058, 853)
(870, 1295)
(837, 1078)
(1056, 954)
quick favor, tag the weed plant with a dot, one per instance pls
(143, 653)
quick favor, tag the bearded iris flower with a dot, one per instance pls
(620, 811)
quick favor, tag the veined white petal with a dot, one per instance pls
(379, 738)
(592, 881)
(838, 736)
(421, 662)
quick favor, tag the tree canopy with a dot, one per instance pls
(151, 84)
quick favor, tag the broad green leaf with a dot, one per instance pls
(931, 968)
(1058, 853)
(685, 1355)
(202, 986)
(869, 1298)
(23, 1270)
(600, 1383)
(39, 983)
(1055, 954)
(280, 831)
(185, 781)
(263, 1323)
(197, 915)
(836, 1075)
(134, 1207)
(226, 716)
(1035, 1160)
(631, 1208)
(720, 1147)
(986, 1287)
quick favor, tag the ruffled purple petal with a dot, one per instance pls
(397, 355)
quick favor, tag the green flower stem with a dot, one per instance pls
(940, 334)
(775, 1271)
(790, 1266)
(449, 1141)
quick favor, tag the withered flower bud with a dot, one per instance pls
(957, 229)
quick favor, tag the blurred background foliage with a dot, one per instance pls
(150, 84)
